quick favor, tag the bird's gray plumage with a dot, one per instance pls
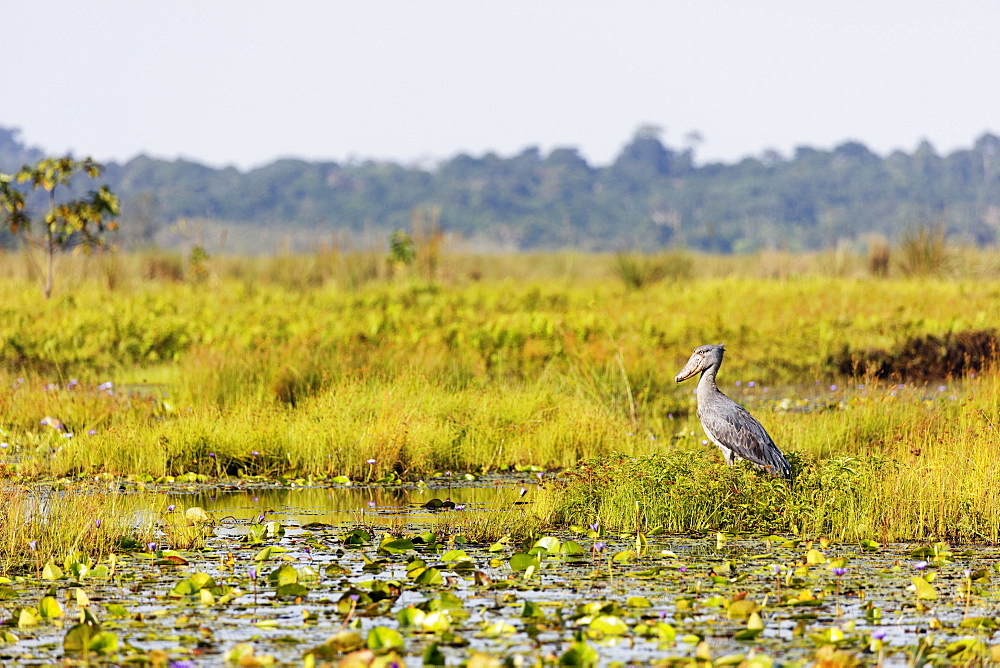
(730, 426)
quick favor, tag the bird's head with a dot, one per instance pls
(702, 358)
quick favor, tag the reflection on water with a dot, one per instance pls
(342, 505)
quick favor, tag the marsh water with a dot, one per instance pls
(303, 504)
(325, 580)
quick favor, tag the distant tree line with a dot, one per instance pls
(651, 196)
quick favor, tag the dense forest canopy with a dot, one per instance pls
(651, 196)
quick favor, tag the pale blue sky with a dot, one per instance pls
(245, 82)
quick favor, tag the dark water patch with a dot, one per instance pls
(923, 358)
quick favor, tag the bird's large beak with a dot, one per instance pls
(691, 368)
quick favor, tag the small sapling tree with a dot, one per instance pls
(67, 223)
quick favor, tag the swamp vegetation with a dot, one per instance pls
(615, 532)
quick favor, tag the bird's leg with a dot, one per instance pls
(730, 456)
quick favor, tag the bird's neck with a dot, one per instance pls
(707, 381)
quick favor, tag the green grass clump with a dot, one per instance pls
(889, 462)
(688, 491)
(924, 252)
(42, 524)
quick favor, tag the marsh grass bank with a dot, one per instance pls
(248, 373)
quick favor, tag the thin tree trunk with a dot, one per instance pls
(49, 266)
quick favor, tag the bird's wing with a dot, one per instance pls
(732, 425)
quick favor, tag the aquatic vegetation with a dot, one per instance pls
(43, 525)
(329, 593)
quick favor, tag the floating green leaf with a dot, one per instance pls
(269, 552)
(530, 609)
(357, 537)
(814, 556)
(521, 561)
(579, 654)
(51, 572)
(28, 617)
(398, 546)
(549, 543)
(609, 625)
(293, 589)
(284, 574)
(925, 590)
(741, 609)
(381, 638)
(49, 608)
(497, 629)
(429, 576)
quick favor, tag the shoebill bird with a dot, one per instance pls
(729, 425)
